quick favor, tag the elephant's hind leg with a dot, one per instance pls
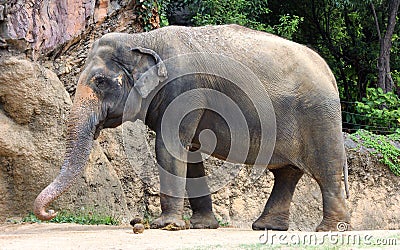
(335, 215)
(203, 216)
(276, 212)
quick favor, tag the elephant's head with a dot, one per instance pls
(112, 71)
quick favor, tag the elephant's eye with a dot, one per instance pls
(100, 80)
(98, 77)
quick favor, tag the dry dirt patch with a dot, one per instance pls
(72, 236)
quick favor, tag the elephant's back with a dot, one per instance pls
(278, 62)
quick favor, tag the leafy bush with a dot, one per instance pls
(384, 147)
(252, 14)
(288, 26)
(146, 13)
(379, 109)
(243, 12)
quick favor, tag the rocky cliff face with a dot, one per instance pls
(34, 105)
(42, 26)
(34, 108)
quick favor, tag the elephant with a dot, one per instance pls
(129, 74)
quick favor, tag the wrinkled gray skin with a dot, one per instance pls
(303, 92)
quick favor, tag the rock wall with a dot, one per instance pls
(32, 116)
(34, 108)
(44, 25)
(34, 105)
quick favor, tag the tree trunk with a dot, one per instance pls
(385, 80)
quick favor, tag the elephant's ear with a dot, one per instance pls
(149, 71)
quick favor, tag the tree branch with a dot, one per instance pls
(376, 21)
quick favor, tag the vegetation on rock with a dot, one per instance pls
(383, 146)
(91, 217)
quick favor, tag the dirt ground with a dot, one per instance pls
(72, 236)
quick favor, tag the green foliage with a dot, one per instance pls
(288, 25)
(343, 32)
(31, 218)
(147, 218)
(165, 7)
(384, 147)
(396, 76)
(83, 217)
(144, 11)
(223, 223)
(252, 14)
(242, 12)
(380, 109)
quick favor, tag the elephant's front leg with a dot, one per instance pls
(172, 173)
(199, 195)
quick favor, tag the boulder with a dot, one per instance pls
(33, 109)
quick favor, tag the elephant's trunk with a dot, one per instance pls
(81, 128)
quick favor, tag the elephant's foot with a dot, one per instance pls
(333, 225)
(169, 222)
(272, 221)
(336, 217)
(203, 221)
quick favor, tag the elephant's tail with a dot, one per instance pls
(346, 178)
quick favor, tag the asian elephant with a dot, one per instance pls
(305, 110)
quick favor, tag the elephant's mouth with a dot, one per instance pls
(109, 123)
(97, 131)
(112, 122)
